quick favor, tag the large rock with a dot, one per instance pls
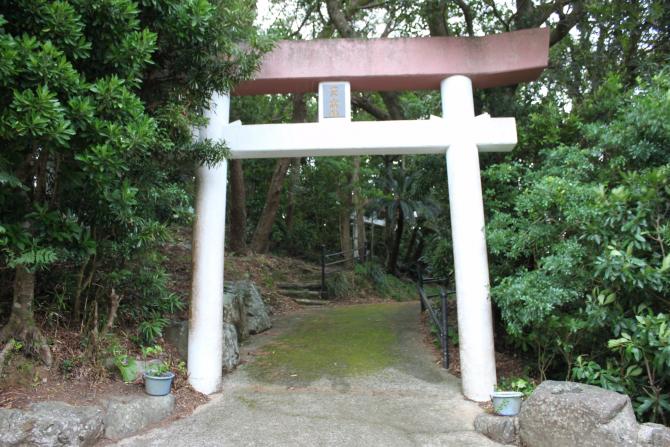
(243, 306)
(502, 429)
(244, 313)
(231, 348)
(257, 316)
(653, 435)
(51, 424)
(563, 414)
(176, 333)
(129, 414)
(234, 311)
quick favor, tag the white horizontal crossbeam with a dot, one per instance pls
(432, 136)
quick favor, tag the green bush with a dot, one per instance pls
(387, 285)
(340, 285)
(579, 253)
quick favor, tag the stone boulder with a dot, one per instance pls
(244, 313)
(126, 415)
(234, 311)
(653, 435)
(258, 319)
(247, 310)
(563, 414)
(502, 429)
(176, 333)
(231, 348)
(51, 424)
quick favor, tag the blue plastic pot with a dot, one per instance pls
(506, 403)
(158, 385)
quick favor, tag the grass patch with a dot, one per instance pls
(342, 342)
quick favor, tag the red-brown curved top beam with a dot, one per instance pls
(297, 66)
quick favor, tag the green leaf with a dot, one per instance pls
(666, 264)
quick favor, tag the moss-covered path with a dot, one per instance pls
(345, 376)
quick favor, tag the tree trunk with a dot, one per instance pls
(360, 231)
(360, 214)
(346, 207)
(260, 243)
(410, 246)
(392, 265)
(21, 325)
(238, 208)
(294, 181)
(345, 231)
(419, 251)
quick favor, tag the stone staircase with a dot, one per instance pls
(307, 293)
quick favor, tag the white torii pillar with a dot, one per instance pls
(205, 328)
(475, 324)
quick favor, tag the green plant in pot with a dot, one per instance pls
(157, 377)
(508, 395)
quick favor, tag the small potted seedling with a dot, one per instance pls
(508, 402)
(157, 377)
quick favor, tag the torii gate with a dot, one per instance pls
(455, 66)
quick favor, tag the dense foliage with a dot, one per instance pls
(580, 245)
(97, 102)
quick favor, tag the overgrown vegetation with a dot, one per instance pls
(584, 242)
(97, 102)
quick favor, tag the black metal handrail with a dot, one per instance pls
(440, 322)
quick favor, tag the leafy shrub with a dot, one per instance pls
(386, 284)
(340, 285)
(524, 385)
(580, 261)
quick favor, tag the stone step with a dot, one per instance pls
(306, 302)
(316, 285)
(301, 293)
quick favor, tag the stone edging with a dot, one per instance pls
(54, 423)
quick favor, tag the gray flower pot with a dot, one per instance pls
(506, 403)
(158, 385)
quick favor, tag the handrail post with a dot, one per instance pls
(323, 271)
(445, 329)
(419, 280)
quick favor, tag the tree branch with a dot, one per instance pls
(365, 104)
(467, 15)
(308, 14)
(392, 105)
(566, 23)
(498, 15)
(338, 19)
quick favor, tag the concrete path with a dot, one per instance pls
(348, 376)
